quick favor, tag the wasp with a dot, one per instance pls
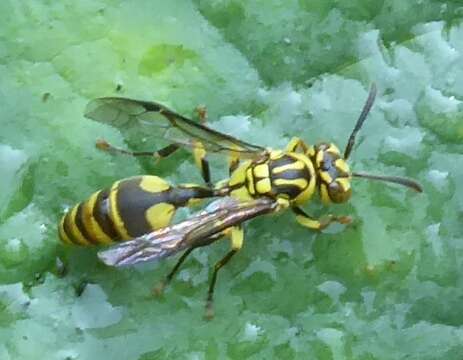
(141, 208)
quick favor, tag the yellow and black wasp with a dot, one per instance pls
(136, 207)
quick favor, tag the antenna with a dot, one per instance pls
(411, 184)
(366, 109)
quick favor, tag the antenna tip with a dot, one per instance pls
(418, 188)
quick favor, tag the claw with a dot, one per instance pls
(158, 290)
(344, 220)
(157, 158)
(102, 144)
(202, 114)
(325, 222)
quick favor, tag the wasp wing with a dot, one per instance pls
(199, 230)
(151, 117)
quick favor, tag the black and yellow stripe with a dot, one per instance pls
(282, 175)
(291, 176)
(130, 208)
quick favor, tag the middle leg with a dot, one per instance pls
(159, 289)
(237, 237)
(298, 145)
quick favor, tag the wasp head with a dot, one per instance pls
(333, 174)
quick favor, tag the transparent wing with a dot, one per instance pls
(158, 120)
(201, 229)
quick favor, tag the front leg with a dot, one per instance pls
(103, 145)
(298, 145)
(318, 224)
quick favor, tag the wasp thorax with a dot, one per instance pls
(333, 174)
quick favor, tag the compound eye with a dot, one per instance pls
(337, 193)
(334, 187)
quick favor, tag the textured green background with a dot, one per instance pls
(389, 286)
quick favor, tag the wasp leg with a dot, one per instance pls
(103, 145)
(80, 287)
(297, 144)
(318, 224)
(199, 152)
(233, 163)
(158, 290)
(201, 111)
(237, 237)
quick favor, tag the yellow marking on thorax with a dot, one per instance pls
(238, 179)
(239, 175)
(300, 183)
(76, 234)
(302, 158)
(94, 228)
(275, 154)
(261, 170)
(119, 225)
(241, 194)
(263, 186)
(250, 181)
(160, 215)
(297, 165)
(305, 195)
(153, 184)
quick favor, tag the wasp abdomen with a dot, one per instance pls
(130, 208)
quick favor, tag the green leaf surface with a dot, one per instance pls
(388, 286)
